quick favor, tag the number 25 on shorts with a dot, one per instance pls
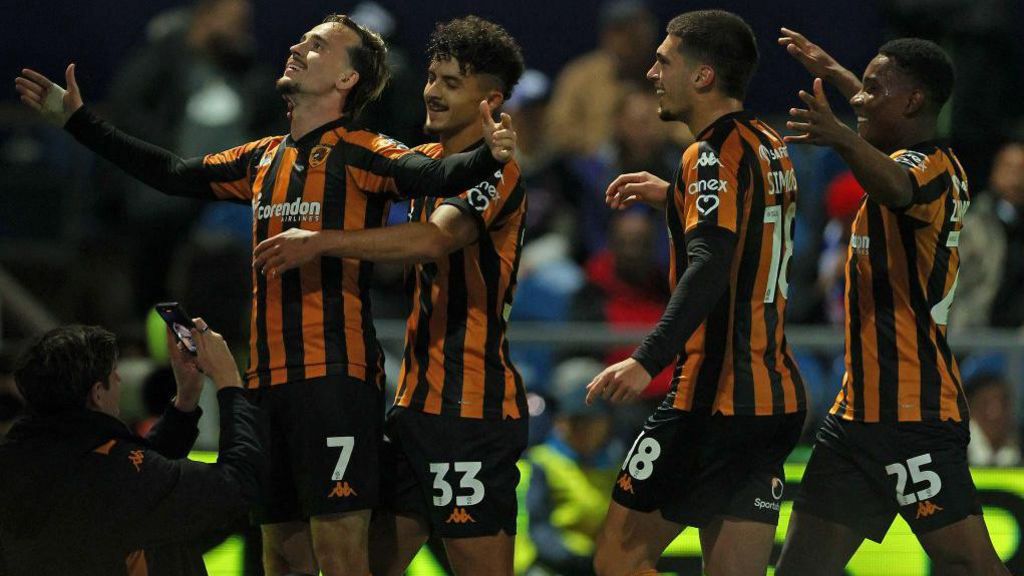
(641, 457)
(917, 476)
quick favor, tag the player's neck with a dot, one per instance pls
(706, 113)
(461, 140)
(914, 133)
(308, 114)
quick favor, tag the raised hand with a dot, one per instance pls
(289, 249)
(817, 124)
(619, 382)
(54, 103)
(818, 62)
(213, 356)
(187, 377)
(500, 137)
(628, 189)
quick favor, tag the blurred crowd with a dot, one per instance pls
(94, 246)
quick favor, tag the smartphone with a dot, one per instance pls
(179, 322)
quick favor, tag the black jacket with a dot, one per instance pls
(80, 494)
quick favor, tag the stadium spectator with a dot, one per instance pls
(88, 497)
(994, 440)
(992, 250)
(572, 474)
(10, 401)
(580, 117)
(842, 199)
(194, 89)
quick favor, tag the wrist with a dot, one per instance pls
(186, 402)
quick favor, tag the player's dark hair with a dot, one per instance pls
(926, 63)
(480, 47)
(58, 370)
(370, 59)
(721, 40)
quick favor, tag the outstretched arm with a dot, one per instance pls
(819, 63)
(882, 178)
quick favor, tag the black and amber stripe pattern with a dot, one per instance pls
(315, 320)
(456, 360)
(901, 276)
(738, 176)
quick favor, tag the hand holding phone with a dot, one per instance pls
(179, 322)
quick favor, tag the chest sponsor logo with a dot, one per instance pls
(294, 211)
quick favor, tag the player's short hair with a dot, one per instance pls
(480, 47)
(57, 372)
(926, 63)
(370, 59)
(722, 40)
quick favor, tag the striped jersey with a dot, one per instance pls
(737, 175)
(315, 320)
(456, 359)
(901, 276)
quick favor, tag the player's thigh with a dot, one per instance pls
(816, 546)
(394, 541)
(340, 542)
(736, 546)
(631, 540)
(288, 549)
(963, 548)
(493, 555)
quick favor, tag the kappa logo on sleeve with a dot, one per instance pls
(136, 457)
(708, 159)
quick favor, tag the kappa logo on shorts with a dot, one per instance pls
(459, 516)
(342, 490)
(926, 509)
(136, 457)
(626, 483)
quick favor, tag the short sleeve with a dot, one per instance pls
(710, 185)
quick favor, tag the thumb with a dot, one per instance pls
(485, 116)
(506, 121)
(69, 77)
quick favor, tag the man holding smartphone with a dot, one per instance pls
(81, 494)
(314, 355)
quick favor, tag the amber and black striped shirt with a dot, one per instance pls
(738, 176)
(901, 277)
(314, 320)
(456, 352)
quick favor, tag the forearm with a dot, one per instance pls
(703, 283)
(883, 180)
(175, 433)
(845, 81)
(150, 164)
(241, 452)
(409, 243)
(417, 175)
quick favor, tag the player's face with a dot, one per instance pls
(881, 104)
(452, 98)
(319, 61)
(669, 74)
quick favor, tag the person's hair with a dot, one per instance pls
(926, 64)
(370, 59)
(721, 40)
(480, 47)
(57, 372)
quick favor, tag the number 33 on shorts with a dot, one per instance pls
(641, 457)
(468, 482)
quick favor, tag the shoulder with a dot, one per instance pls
(432, 149)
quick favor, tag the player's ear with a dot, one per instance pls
(347, 81)
(916, 102)
(704, 77)
(495, 99)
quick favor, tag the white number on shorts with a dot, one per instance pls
(641, 464)
(917, 476)
(346, 443)
(468, 481)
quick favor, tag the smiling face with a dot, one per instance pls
(670, 75)
(883, 106)
(320, 61)
(452, 98)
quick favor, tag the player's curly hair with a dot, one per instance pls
(480, 47)
(721, 40)
(927, 64)
(369, 59)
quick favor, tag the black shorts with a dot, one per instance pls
(862, 474)
(325, 436)
(693, 467)
(460, 474)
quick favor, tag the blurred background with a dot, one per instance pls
(80, 242)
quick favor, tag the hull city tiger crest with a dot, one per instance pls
(318, 155)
